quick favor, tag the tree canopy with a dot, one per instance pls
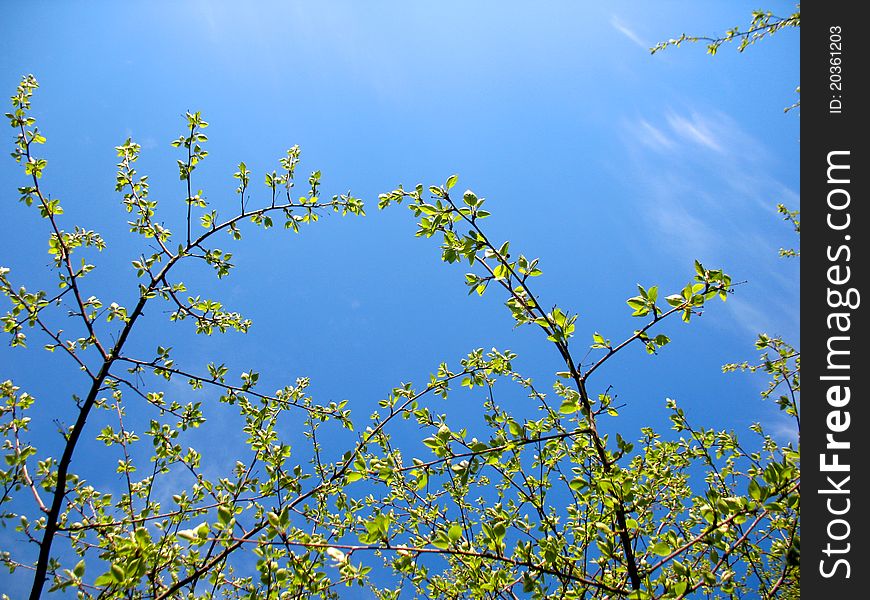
(529, 490)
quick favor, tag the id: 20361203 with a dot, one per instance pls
(835, 69)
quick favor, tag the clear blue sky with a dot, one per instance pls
(611, 165)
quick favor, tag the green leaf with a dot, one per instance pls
(224, 515)
(578, 484)
(454, 533)
(569, 407)
(674, 299)
(118, 573)
(660, 548)
(755, 490)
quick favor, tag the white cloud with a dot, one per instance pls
(751, 318)
(697, 129)
(782, 428)
(707, 191)
(671, 209)
(205, 12)
(629, 33)
(652, 136)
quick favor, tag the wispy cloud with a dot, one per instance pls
(206, 14)
(653, 136)
(678, 224)
(695, 128)
(782, 428)
(629, 32)
(708, 192)
(751, 318)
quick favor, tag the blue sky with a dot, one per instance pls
(611, 165)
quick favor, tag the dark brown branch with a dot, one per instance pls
(72, 439)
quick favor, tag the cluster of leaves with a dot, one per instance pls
(763, 24)
(554, 504)
(793, 217)
(128, 534)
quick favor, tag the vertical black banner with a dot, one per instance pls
(834, 421)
